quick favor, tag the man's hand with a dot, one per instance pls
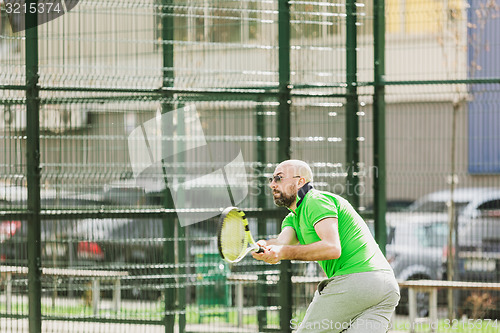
(271, 254)
(262, 243)
(328, 247)
(273, 248)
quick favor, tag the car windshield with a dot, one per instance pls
(433, 235)
(482, 231)
(435, 206)
(423, 235)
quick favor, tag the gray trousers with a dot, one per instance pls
(353, 303)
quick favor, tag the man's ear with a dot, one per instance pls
(302, 181)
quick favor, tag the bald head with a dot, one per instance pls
(296, 168)
(288, 178)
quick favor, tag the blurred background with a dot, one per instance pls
(119, 118)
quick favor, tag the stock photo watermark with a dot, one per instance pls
(171, 150)
(45, 10)
(455, 324)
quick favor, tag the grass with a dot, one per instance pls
(445, 325)
(154, 311)
(146, 311)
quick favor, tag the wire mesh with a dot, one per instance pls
(117, 253)
(432, 129)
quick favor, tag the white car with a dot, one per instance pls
(469, 202)
(417, 238)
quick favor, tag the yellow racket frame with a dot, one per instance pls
(234, 212)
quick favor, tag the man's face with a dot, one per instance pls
(284, 184)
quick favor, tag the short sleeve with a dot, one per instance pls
(319, 207)
(288, 221)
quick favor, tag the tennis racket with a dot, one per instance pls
(234, 238)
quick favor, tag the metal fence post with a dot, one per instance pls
(351, 108)
(169, 259)
(379, 183)
(33, 172)
(182, 256)
(169, 253)
(284, 151)
(261, 202)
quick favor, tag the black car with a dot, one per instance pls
(14, 233)
(137, 246)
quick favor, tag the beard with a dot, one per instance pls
(283, 200)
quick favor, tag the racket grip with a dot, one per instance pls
(260, 250)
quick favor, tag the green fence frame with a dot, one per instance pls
(283, 94)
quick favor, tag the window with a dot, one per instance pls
(484, 106)
(433, 235)
(436, 207)
(484, 138)
(489, 205)
(317, 20)
(490, 208)
(221, 21)
(421, 16)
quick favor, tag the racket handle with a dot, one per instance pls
(260, 250)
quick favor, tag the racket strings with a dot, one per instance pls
(233, 238)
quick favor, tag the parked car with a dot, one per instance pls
(137, 246)
(414, 250)
(478, 260)
(419, 258)
(470, 202)
(413, 260)
(395, 205)
(14, 233)
(479, 250)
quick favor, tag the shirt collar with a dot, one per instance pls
(302, 192)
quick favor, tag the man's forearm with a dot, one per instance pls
(272, 241)
(321, 250)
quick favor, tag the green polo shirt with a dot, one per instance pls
(360, 252)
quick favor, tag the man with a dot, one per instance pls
(361, 292)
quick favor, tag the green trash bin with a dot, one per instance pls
(213, 294)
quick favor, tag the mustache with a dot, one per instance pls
(283, 200)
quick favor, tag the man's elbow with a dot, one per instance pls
(333, 251)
